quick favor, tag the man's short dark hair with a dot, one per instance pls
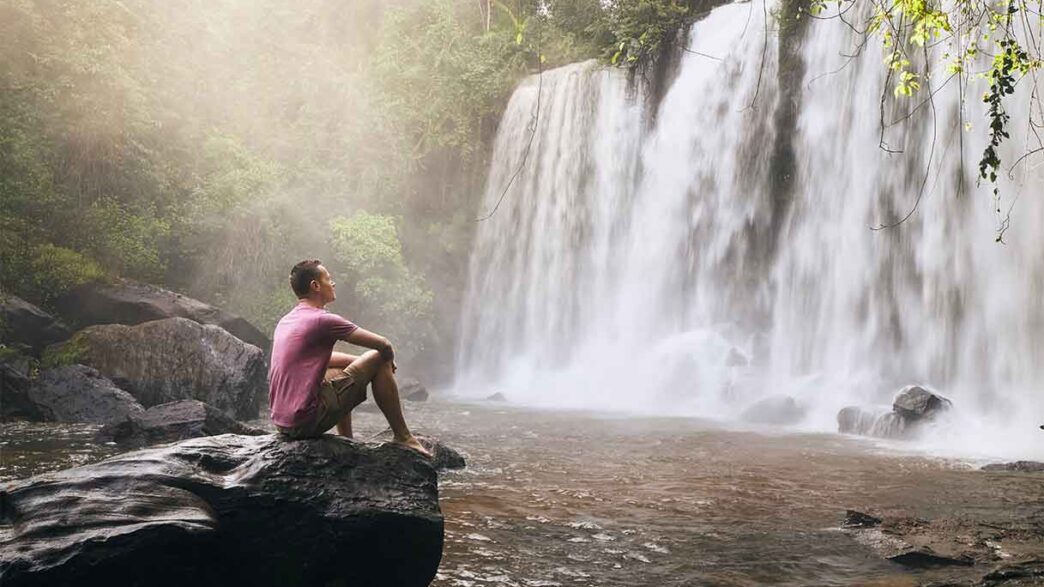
(302, 276)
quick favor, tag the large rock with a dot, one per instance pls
(131, 302)
(914, 403)
(229, 510)
(14, 396)
(22, 322)
(178, 420)
(76, 393)
(778, 409)
(168, 360)
(913, 407)
(411, 389)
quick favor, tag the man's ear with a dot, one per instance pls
(314, 285)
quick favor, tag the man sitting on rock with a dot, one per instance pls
(311, 387)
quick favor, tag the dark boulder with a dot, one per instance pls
(1017, 466)
(14, 395)
(75, 393)
(229, 510)
(413, 390)
(913, 407)
(173, 359)
(170, 422)
(496, 397)
(915, 403)
(443, 457)
(130, 302)
(24, 323)
(778, 409)
(854, 519)
(1023, 573)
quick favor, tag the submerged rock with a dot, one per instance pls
(26, 324)
(954, 540)
(76, 393)
(777, 409)
(130, 302)
(1017, 466)
(229, 510)
(913, 406)
(173, 359)
(413, 390)
(854, 519)
(1015, 574)
(173, 421)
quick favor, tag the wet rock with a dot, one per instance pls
(914, 403)
(778, 409)
(24, 323)
(170, 422)
(443, 457)
(1015, 574)
(229, 510)
(926, 559)
(173, 359)
(854, 519)
(864, 422)
(913, 406)
(76, 393)
(14, 396)
(130, 302)
(1017, 466)
(942, 542)
(413, 390)
(496, 397)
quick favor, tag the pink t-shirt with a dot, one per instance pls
(301, 348)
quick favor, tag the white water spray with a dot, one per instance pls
(650, 265)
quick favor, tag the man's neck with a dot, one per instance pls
(317, 304)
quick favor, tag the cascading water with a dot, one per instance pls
(721, 253)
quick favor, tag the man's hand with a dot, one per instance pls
(387, 352)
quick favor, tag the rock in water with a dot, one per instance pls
(1017, 467)
(413, 390)
(26, 324)
(130, 302)
(777, 409)
(76, 393)
(229, 510)
(173, 359)
(14, 396)
(178, 420)
(917, 403)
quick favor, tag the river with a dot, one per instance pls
(598, 499)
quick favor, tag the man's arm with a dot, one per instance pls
(372, 340)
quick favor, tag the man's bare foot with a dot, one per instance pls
(412, 442)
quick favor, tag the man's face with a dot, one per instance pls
(326, 286)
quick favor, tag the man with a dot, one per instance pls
(311, 387)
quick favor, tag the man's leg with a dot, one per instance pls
(371, 367)
(340, 361)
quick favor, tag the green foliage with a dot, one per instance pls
(397, 301)
(995, 42)
(70, 352)
(206, 148)
(640, 27)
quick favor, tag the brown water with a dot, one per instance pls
(584, 499)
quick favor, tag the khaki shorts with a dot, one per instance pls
(340, 391)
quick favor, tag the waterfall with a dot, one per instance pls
(720, 252)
